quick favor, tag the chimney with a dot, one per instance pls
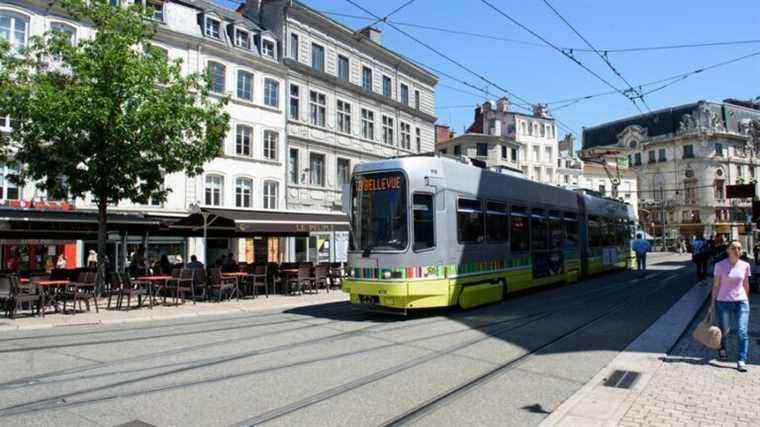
(539, 110)
(443, 133)
(502, 104)
(251, 9)
(371, 33)
(487, 106)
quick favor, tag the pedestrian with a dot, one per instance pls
(756, 252)
(700, 255)
(92, 259)
(641, 247)
(729, 294)
(194, 264)
(61, 263)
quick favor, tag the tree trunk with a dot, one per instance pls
(102, 223)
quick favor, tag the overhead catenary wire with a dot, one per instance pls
(394, 11)
(604, 58)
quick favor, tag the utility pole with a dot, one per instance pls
(662, 214)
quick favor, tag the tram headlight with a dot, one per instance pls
(386, 275)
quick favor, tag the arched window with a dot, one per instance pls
(270, 194)
(243, 192)
(14, 29)
(214, 190)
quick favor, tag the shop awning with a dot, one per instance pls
(243, 223)
(59, 224)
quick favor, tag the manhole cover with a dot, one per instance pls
(622, 379)
(136, 423)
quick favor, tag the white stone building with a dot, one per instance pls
(243, 60)
(536, 134)
(349, 100)
(574, 173)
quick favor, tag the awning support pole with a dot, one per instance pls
(124, 253)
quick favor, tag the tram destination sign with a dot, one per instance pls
(375, 183)
(740, 191)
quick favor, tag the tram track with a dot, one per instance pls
(55, 403)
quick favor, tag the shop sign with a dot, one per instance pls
(314, 228)
(39, 204)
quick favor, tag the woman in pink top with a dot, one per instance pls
(729, 293)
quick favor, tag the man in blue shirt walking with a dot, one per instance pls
(641, 247)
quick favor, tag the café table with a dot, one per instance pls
(51, 289)
(156, 279)
(238, 276)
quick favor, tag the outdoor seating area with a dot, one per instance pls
(71, 291)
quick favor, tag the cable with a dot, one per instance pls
(385, 18)
(603, 57)
(560, 50)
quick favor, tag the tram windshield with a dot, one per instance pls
(378, 212)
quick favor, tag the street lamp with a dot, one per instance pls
(195, 208)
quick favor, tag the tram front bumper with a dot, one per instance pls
(399, 294)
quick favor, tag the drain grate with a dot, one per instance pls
(622, 379)
(136, 423)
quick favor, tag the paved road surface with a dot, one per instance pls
(505, 364)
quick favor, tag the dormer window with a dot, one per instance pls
(267, 48)
(242, 39)
(213, 28)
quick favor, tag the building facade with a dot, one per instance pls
(685, 157)
(536, 135)
(573, 173)
(495, 151)
(242, 61)
(349, 100)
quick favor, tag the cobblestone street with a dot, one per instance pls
(693, 387)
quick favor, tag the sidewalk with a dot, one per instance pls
(688, 386)
(166, 312)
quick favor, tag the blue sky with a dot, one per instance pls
(541, 74)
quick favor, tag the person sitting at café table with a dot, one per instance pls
(166, 266)
(194, 264)
(230, 265)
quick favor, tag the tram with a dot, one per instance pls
(435, 231)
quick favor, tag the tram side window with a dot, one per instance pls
(594, 233)
(538, 230)
(571, 231)
(609, 232)
(424, 231)
(469, 221)
(519, 229)
(556, 233)
(496, 222)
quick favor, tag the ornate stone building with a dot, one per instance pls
(685, 156)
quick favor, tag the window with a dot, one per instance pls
(342, 67)
(530, 129)
(156, 8)
(242, 39)
(548, 155)
(416, 100)
(536, 154)
(214, 190)
(294, 102)
(661, 155)
(481, 149)
(267, 48)
(514, 154)
(418, 138)
(688, 151)
(8, 189)
(317, 103)
(443, 151)
(293, 171)
(602, 189)
(59, 27)
(469, 221)
(496, 222)
(317, 169)
(457, 150)
(243, 144)
(492, 127)
(538, 231)
(317, 57)
(404, 94)
(270, 194)
(243, 192)
(523, 128)
(388, 130)
(271, 92)
(406, 135)
(519, 231)
(637, 159)
(294, 46)
(344, 117)
(652, 158)
(344, 171)
(216, 77)
(367, 78)
(504, 152)
(213, 28)
(543, 130)
(368, 124)
(270, 144)
(720, 189)
(718, 149)
(379, 218)
(424, 224)
(387, 86)
(690, 191)
(245, 85)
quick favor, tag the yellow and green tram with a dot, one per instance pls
(433, 231)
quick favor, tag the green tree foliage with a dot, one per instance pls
(107, 116)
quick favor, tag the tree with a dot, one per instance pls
(108, 116)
